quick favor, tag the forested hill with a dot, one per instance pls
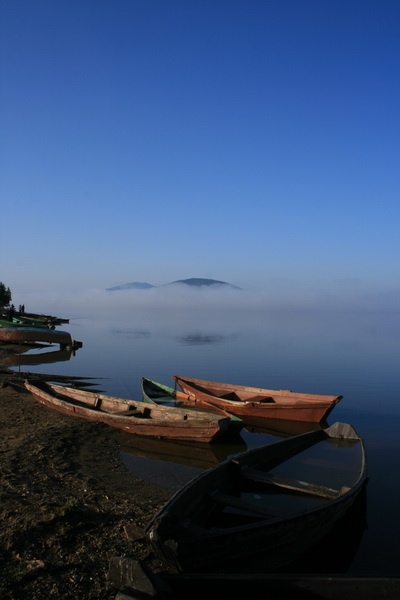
(192, 282)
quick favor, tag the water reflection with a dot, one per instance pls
(133, 333)
(354, 354)
(40, 358)
(202, 456)
(198, 339)
(281, 427)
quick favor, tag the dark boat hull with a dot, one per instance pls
(37, 334)
(228, 514)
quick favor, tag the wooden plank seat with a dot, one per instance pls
(295, 485)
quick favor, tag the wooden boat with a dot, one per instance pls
(275, 501)
(154, 392)
(245, 401)
(31, 322)
(49, 319)
(132, 416)
(37, 334)
(22, 322)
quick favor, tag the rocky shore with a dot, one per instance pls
(68, 505)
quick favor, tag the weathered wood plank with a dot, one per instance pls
(290, 484)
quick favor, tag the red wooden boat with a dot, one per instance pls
(245, 401)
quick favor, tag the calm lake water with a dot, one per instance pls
(355, 355)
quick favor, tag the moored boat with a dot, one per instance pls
(37, 334)
(245, 401)
(18, 321)
(276, 501)
(32, 322)
(134, 417)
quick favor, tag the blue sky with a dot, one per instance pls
(254, 142)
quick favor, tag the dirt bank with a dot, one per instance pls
(67, 503)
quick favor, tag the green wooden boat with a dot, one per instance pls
(31, 322)
(158, 393)
(18, 321)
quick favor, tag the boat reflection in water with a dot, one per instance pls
(39, 358)
(171, 464)
(199, 456)
(148, 457)
(282, 428)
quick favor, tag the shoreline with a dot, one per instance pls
(68, 503)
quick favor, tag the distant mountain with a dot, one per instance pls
(193, 282)
(198, 282)
(135, 285)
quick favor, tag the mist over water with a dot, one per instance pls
(280, 295)
(241, 338)
(224, 332)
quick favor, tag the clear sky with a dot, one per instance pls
(251, 141)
